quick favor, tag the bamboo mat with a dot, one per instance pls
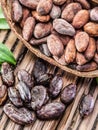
(71, 119)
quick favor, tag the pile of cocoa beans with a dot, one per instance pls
(66, 30)
(32, 95)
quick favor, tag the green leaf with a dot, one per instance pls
(6, 55)
(4, 24)
(1, 13)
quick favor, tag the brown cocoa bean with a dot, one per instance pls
(81, 41)
(16, 11)
(59, 2)
(42, 29)
(3, 94)
(94, 14)
(26, 14)
(81, 18)
(34, 41)
(55, 45)
(70, 51)
(60, 60)
(7, 74)
(39, 97)
(80, 59)
(55, 87)
(92, 29)
(55, 12)
(70, 11)
(90, 51)
(87, 67)
(28, 28)
(86, 105)
(96, 58)
(68, 94)
(51, 111)
(44, 7)
(63, 27)
(27, 78)
(32, 4)
(15, 97)
(44, 18)
(24, 91)
(21, 116)
(85, 4)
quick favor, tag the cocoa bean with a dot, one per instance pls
(43, 18)
(90, 51)
(94, 14)
(55, 45)
(3, 94)
(63, 27)
(87, 67)
(44, 7)
(70, 51)
(45, 29)
(16, 11)
(28, 28)
(55, 12)
(21, 116)
(81, 41)
(70, 11)
(81, 18)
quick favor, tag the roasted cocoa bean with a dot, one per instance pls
(86, 105)
(70, 51)
(26, 78)
(51, 111)
(87, 67)
(21, 116)
(43, 18)
(24, 91)
(45, 29)
(92, 29)
(3, 94)
(44, 7)
(39, 97)
(63, 27)
(55, 87)
(44, 79)
(97, 45)
(39, 68)
(81, 41)
(44, 49)
(55, 12)
(26, 14)
(15, 97)
(70, 11)
(16, 11)
(55, 45)
(34, 41)
(90, 51)
(7, 74)
(68, 93)
(81, 18)
(85, 4)
(32, 4)
(28, 28)
(80, 59)
(59, 2)
(94, 14)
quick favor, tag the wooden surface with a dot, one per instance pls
(7, 10)
(71, 119)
